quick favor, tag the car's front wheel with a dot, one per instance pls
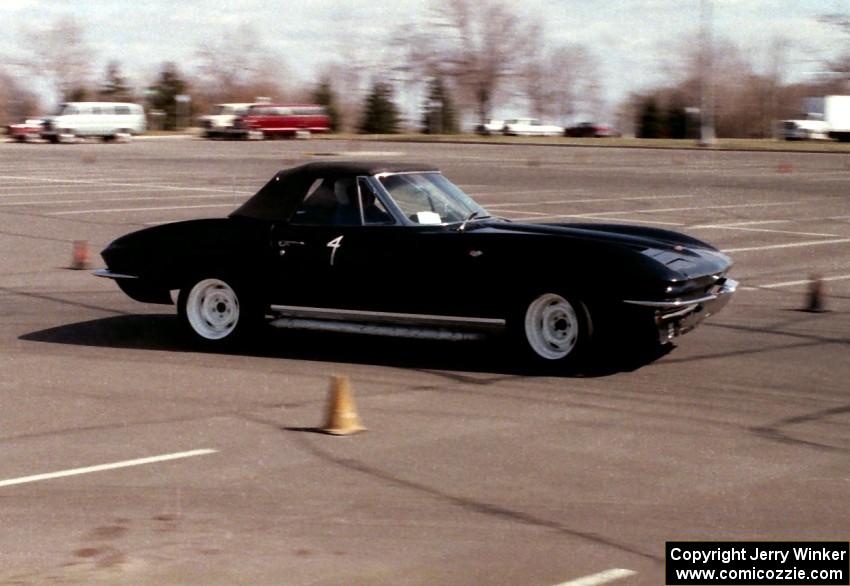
(216, 312)
(553, 329)
(67, 135)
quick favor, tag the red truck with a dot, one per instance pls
(274, 120)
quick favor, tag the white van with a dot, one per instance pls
(106, 120)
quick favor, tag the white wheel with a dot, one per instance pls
(303, 134)
(256, 135)
(552, 327)
(212, 309)
(67, 136)
(123, 135)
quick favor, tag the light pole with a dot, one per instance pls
(707, 136)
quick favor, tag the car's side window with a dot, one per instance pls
(329, 202)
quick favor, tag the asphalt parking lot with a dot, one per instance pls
(192, 467)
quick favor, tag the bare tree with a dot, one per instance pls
(16, 101)
(772, 83)
(840, 66)
(60, 55)
(739, 92)
(238, 66)
(483, 44)
(576, 81)
(564, 83)
(352, 72)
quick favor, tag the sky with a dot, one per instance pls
(630, 38)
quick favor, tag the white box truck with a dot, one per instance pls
(835, 111)
(825, 117)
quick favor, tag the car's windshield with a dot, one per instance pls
(430, 198)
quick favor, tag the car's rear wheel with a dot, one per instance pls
(553, 329)
(217, 311)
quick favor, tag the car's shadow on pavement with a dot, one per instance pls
(164, 332)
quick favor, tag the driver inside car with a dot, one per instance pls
(347, 213)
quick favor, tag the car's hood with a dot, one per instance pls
(679, 252)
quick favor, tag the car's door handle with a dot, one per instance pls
(285, 243)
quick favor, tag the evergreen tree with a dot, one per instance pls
(649, 124)
(163, 94)
(380, 115)
(324, 95)
(114, 86)
(439, 116)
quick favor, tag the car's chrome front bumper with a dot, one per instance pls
(675, 317)
(107, 274)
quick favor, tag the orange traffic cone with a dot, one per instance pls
(815, 295)
(80, 259)
(342, 414)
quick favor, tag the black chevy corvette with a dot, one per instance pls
(398, 250)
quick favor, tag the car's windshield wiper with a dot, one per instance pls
(469, 218)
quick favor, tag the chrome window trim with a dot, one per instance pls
(382, 196)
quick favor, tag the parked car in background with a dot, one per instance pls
(530, 127)
(397, 249)
(276, 120)
(106, 120)
(492, 126)
(220, 121)
(25, 131)
(590, 130)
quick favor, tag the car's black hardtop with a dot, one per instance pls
(278, 198)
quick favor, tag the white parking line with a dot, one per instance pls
(682, 209)
(103, 467)
(81, 190)
(588, 200)
(788, 245)
(600, 578)
(531, 192)
(48, 202)
(794, 283)
(153, 209)
(745, 229)
(749, 223)
(116, 184)
(520, 212)
(626, 220)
